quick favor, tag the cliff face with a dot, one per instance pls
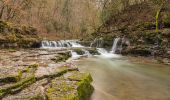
(12, 35)
(138, 23)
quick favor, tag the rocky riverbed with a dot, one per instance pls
(39, 74)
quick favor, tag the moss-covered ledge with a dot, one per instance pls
(17, 86)
(61, 57)
(72, 84)
(16, 83)
(77, 87)
(18, 36)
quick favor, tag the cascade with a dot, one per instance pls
(98, 43)
(104, 53)
(87, 53)
(59, 44)
(74, 55)
(115, 45)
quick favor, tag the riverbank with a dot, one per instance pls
(151, 59)
(41, 74)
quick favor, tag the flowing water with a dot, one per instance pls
(60, 44)
(115, 45)
(121, 79)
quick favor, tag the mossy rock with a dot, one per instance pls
(77, 88)
(23, 36)
(62, 90)
(62, 56)
(93, 51)
(79, 51)
(139, 51)
(84, 87)
(58, 59)
(11, 78)
(32, 68)
(108, 40)
(17, 86)
(77, 76)
(38, 97)
(8, 79)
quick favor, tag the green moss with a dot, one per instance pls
(20, 74)
(108, 40)
(61, 57)
(93, 51)
(12, 50)
(12, 78)
(4, 25)
(32, 68)
(38, 97)
(17, 86)
(79, 51)
(20, 36)
(11, 37)
(2, 93)
(8, 79)
(62, 89)
(85, 89)
(77, 76)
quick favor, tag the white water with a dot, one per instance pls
(74, 55)
(87, 53)
(60, 44)
(115, 45)
(74, 43)
(104, 53)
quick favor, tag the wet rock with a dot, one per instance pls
(79, 51)
(137, 51)
(61, 57)
(93, 51)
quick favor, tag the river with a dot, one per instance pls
(122, 79)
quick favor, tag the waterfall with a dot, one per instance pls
(102, 51)
(115, 45)
(74, 55)
(105, 54)
(87, 53)
(60, 44)
(45, 44)
(98, 43)
(75, 44)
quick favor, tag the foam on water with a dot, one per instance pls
(104, 53)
